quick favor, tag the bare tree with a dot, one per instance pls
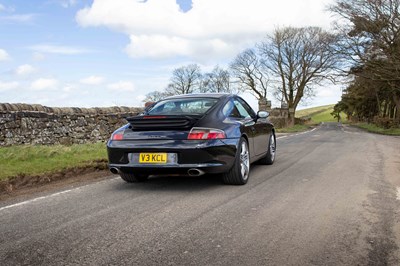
(155, 96)
(185, 80)
(300, 59)
(218, 80)
(247, 68)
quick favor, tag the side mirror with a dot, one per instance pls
(262, 114)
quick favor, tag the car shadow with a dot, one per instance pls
(173, 183)
(183, 183)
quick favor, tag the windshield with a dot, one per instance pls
(192, 106)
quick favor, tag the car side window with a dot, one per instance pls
(242, 110)
(227, 109)
(235, 109)
(246, 106)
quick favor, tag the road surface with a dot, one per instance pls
(331, 198)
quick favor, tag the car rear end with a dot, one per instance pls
(156, 144)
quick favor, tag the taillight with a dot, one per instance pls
(206, 133)
(117, 136)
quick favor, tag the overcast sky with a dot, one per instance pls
(112, 52)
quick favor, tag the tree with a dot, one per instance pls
(371, 40)
(155, 96)
(218, 80)
(336, 112)
(184, 80)
(299, 59)
(247, 68)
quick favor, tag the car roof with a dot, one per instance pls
(197, 95)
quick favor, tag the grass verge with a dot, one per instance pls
(37, 160)
(293, 129)
(375, 129)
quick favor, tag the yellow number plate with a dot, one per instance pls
(152, 158)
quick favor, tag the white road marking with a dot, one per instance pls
(298, 134)
(36, 199)
(47, 197)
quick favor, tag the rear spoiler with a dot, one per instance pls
(161, 122)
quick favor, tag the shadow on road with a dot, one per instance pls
(173, 183)
(187, 183)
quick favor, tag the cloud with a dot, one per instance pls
(8, 9)
(68, 3)
(211, 28)
(38, 56)
(140, 97)
(18, 18)
(4, 56)
(327, 92)
(58, 49)
(124, 86)
(70, 88)
(5, 86)
(24, 70)
(44, 84)
(92, 80)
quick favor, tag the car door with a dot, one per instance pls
(246, 118)
(260, 130)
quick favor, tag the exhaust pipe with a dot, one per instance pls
(195, 172)
(114, 170)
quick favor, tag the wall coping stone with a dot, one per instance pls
(22, 107)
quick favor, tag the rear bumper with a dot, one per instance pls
(211, 156)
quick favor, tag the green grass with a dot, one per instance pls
(294, 129)
(375, 129)
(320, 114)
(309, 112)
(326, 116)
(34, 160)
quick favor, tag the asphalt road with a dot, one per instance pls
(331, 198)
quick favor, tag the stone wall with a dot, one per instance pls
(37, 124)
(278, 116)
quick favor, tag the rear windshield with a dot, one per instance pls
(192, 106)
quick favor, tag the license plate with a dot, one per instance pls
(152, 158)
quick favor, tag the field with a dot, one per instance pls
(320, 114)
(309, 112)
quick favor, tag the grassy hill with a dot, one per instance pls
(319, 114)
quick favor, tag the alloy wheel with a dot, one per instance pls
(244, 161)
(272, 147)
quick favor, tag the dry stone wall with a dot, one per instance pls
(37, 124)
(278, 116)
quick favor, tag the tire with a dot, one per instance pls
(239, 173)
(271, 153)
(131, 178)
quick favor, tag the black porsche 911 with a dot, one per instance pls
(193, 134)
